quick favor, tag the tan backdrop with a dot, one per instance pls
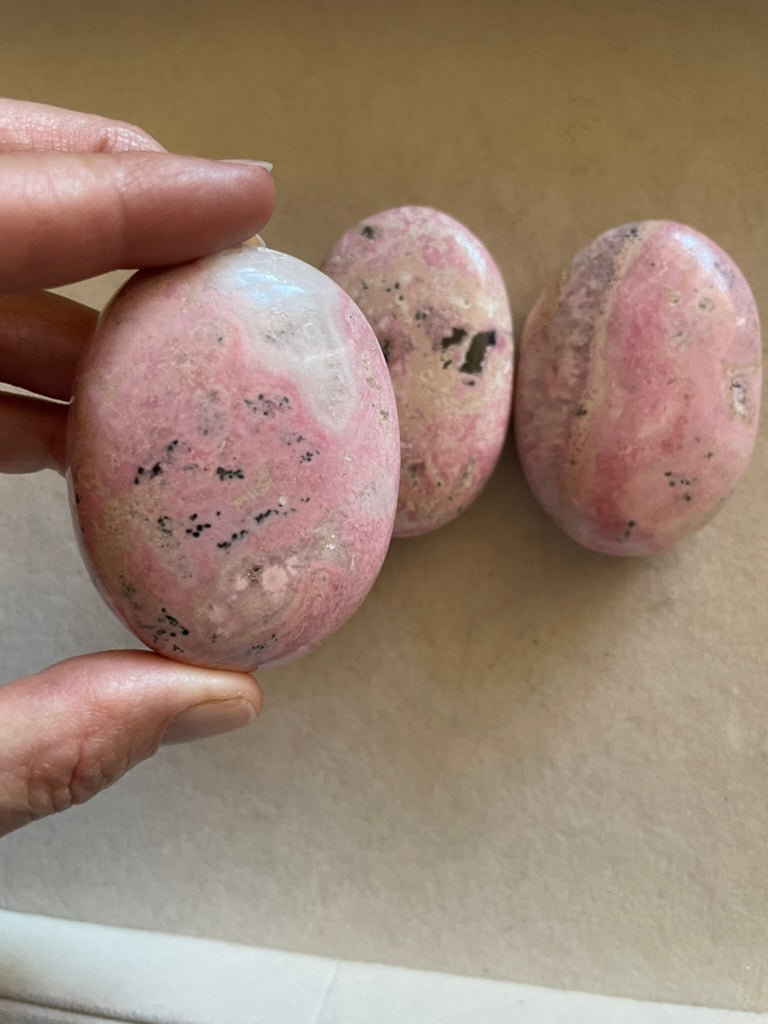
(519, 760)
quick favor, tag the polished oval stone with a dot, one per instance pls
(438, 305)
(638, 388)
(233, 458)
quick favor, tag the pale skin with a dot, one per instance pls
(81, 195)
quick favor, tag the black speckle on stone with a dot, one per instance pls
(164, 526)
(688, 496)
(304, 501)
(447, 363)
(309, 455)
(628, 528)
(261, 516)
(268, 406)
(225, 545)
(456, 337)
(632, 231)
(709, 455)
(229, 474)
(193, 517)
(473, 361)
(581, 411)
(673, 479)
(368, 231)
(420, 314)
(262, 645)
(218, 513)
(168, 620)
(171, 447)
(143, 474)
(727, 272)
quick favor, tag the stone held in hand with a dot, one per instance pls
(233, 458)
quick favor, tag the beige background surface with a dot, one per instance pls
(519, 760)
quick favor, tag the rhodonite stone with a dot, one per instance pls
(437, 302)
(233, 458)
(638, 388)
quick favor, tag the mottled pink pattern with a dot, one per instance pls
(638, 388)
(438, 305)
(233, 452)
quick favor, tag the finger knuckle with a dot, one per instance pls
(122, 135)
(77, 775)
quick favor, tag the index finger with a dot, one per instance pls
(37, 127)
(68, 216)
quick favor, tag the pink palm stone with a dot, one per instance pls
(638, 388)
(233, 453)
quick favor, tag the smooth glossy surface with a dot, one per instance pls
(233, 455)
(438, 305)
(638, 388)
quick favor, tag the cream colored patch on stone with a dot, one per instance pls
(261, 485)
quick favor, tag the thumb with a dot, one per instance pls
(75, 728)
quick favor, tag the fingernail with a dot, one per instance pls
(254, 163)
(257, 242)
(212, 718)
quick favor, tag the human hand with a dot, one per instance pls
(81, 195)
